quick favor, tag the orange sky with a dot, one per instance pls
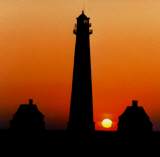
(37, 49)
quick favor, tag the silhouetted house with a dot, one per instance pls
(81, 107)
(134, 121)
(28, 118)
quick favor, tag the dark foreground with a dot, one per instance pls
(58, 143)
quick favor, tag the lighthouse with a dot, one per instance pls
(81, 104)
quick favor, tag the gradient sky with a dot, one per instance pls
(37, 49)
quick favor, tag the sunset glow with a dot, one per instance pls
(37, 53)
(107, 123)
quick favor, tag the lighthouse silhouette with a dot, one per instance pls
(81, 107)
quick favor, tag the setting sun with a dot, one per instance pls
(107, 123)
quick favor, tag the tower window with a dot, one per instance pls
(85, 21)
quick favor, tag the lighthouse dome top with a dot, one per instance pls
(83, 16)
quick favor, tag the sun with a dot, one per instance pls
(107, 123)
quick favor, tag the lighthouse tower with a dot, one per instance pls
(81, 107)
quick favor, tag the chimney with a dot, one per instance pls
(134, 103)
(30, 101)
